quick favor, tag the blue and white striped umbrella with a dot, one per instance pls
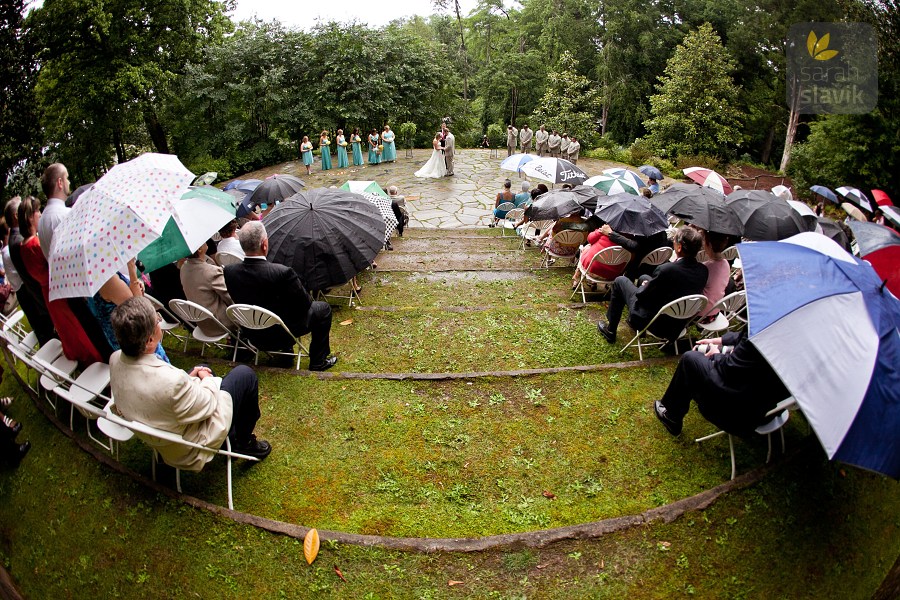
(831, 330)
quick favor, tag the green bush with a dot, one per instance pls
(697, 160)
(407, 134)
(205, 164)
(496, 135)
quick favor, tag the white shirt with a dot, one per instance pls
(51, 216)
(12, 276)
(231, 245)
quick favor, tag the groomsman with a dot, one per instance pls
(540, 138)
(553, 143)
(512, 135)
(574, 147)
(525, 138)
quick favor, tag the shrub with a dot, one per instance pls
(697, 160)
(496, 135)
(407, 133)
(205, 164)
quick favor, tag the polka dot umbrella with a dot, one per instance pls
(119, 216)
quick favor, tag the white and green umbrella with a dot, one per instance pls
(628, 174)
(612, 184)
(364, 187)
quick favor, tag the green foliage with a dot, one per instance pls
(496, 135)
(694, 110)
(570, 102)
(407, 132)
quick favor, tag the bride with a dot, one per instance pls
(435, 167)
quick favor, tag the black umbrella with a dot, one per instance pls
(765, 216)
(72, 198)
(554, 170)
(830, 228)
(555, 204)
(700, 206)
(275, 189)
(326, 235)
(634, 215)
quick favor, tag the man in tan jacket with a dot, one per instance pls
(198, 406)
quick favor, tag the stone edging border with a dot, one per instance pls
(534, 539)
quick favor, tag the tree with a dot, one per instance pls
(694, 110)
(570, 103)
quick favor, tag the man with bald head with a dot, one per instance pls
(55, 184)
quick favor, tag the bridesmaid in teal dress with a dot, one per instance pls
(374, 155)
(306, 152)
(341, 149)
(389, 154)
(356, 141)
(325, 149)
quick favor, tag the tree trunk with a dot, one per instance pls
(793, 119)
(156, 131)
(767, 146)
(120, 147)
(465, 54)
(513, 104)
(890, 587)
(603, 117)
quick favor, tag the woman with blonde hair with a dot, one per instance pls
(325, 149)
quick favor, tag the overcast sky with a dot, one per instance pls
(304, 14)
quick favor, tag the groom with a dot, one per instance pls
(449, 144)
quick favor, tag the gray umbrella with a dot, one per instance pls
(700, 206)
(274, 189)
(765, 216)
(557, 203)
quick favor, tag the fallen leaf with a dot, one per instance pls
(602, 564)
(665, 544)
(541, 566)
(347, 322)
(451, 583)
(311, 545)
(339, 574)
(548, 494)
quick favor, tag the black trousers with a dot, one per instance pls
(395, 208)
(622, 296)
(243, 386)
(318, 323)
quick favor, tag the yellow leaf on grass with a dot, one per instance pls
(311, 545)
(347, 322)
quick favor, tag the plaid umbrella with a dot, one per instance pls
(119, 216)
(612, 184)
(708, 178)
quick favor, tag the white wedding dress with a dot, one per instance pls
(435, 167)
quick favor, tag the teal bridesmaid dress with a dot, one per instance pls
(389, 154)
(374, 157)
(357, 151)
(342, 153)
(325, 148)
(307, 153)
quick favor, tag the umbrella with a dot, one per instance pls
(881, 198)
(72, 198)
(119, 216)
(782, 191)
(628, 174)
(554, 204)
(880, 247)
(651, 172)
(554, 170)
(765, 216)
(824, 322)
(206, 179)
(326, 235)
(825, 193)
(612, 184)
(856, 197)
(361, 187)
(891, 214)
(853, 211)
(634, 215)
(832, 230)
(808, 214)
(700, 206)
(233, 184)
(515, 161)
(199, 213)
(383, 205)
(709, 178)
(273, 190)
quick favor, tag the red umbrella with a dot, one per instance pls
(709, 178)
(881, 198)
(880, 246)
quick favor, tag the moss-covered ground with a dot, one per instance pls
(453, 458)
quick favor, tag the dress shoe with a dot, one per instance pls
(388, 246)
(606, 332)
(20, 452)
(10, 430)
(255, 448)
(329, 362)
(673, 426)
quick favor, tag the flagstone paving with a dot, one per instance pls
(464, 200)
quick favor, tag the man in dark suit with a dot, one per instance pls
(733, 390)
(278, 288)
(670, 281)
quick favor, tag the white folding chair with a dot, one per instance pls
(509, 222)
(250, 316)
(567, 238)
(503, 206)
(351, 295)
(227, 258)
(531, 231)
(684, 309)
(611, 256)
(153, 436)
(728, 308)
(778, 418)
(25, 351)
(657, 257)
(170, 322)
(193, 313)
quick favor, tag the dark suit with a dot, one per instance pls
(733, 391)
(669, 282)
(639, 246)
(29, 295)
(278, 288)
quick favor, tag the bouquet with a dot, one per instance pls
(378, 149)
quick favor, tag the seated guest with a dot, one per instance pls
(572, 221)
(198, 406)
(523, 196)
(719, 272)
(639, 246)
(505, 196)
(278, 288)
(598, 241)
(733, 391)
(670, 281)
(204, 284)
(229, 242)
(398, 207)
